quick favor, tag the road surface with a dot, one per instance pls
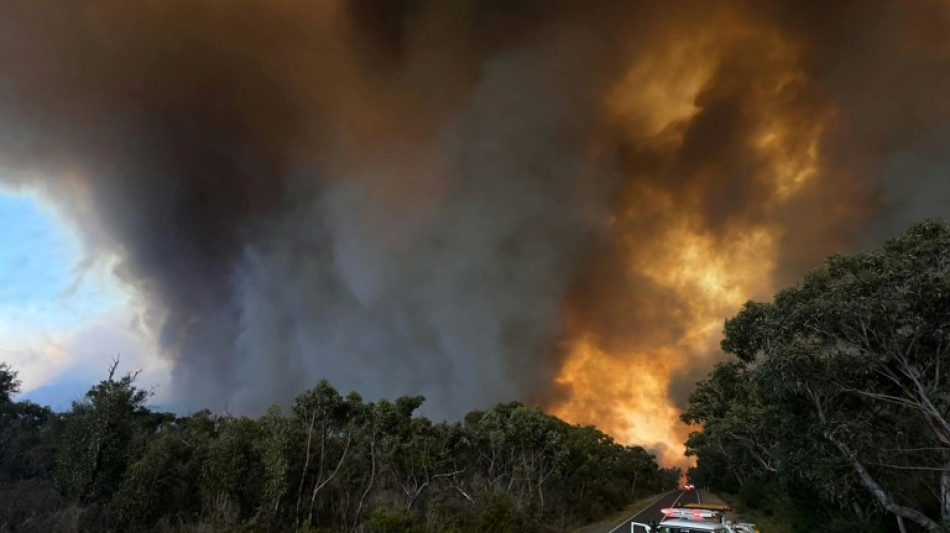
(652, 511)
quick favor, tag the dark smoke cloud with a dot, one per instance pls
(321, 192)
(428, 197)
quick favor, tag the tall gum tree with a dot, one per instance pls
(858, 353)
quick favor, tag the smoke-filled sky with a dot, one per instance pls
(478, 200)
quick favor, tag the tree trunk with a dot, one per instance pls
(369, 486)
(306, 465)
(880, 494)
(945, 493)
(96, 467)
(320, 482)
(541, 497)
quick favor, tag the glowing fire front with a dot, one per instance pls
(716, 105)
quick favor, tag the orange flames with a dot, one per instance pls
(664, 238)
(627, 394)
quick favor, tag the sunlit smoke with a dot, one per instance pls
(694, 261)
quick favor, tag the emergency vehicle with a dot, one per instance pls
(696, 518)
(709, 506)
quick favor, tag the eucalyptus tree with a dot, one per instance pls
(98, 437)
(232, 471)
(164, 483)
(27, 432)
(326, 426)
(855, 359)
(539, 453)
(496, 455)
(735, 425)
(9, 383)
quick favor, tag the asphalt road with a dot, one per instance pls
(652, 511)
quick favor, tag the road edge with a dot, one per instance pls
(630, 518)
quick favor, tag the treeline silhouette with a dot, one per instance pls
(328, 463)
(833, 414)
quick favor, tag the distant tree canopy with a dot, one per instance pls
(329, 463)
(839, 388)
(9, 384)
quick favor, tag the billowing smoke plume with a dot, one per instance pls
(479, 200)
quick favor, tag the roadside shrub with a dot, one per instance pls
(383, 520)
(501, 516)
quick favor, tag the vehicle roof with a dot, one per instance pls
(693, 525)
(694, 514)
(709, 506)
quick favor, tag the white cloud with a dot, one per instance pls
(85, 356)
(63, 317)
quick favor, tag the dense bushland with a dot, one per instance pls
(834, 411)
(328, 463)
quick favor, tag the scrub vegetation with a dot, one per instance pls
(834, 411)
(329, 463)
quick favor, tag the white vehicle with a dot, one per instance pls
(693, 519)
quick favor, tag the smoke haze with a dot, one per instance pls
(476, 201)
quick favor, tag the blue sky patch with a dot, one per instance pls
(41, 286)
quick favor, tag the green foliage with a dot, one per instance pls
(27, 434)
(166, 477)
(755, 493)
(9, 384)
(383, 520)
(25, 504)
(279, 447)
(501, 516)
(837, 387)
(95, 447)
(330, 463)
(739, 431)
(232, 471)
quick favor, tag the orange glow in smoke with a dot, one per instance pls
(627, 394)
(639, 381)
(713, 270)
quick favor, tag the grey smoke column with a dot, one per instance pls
(437, 269)
(320, 193)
